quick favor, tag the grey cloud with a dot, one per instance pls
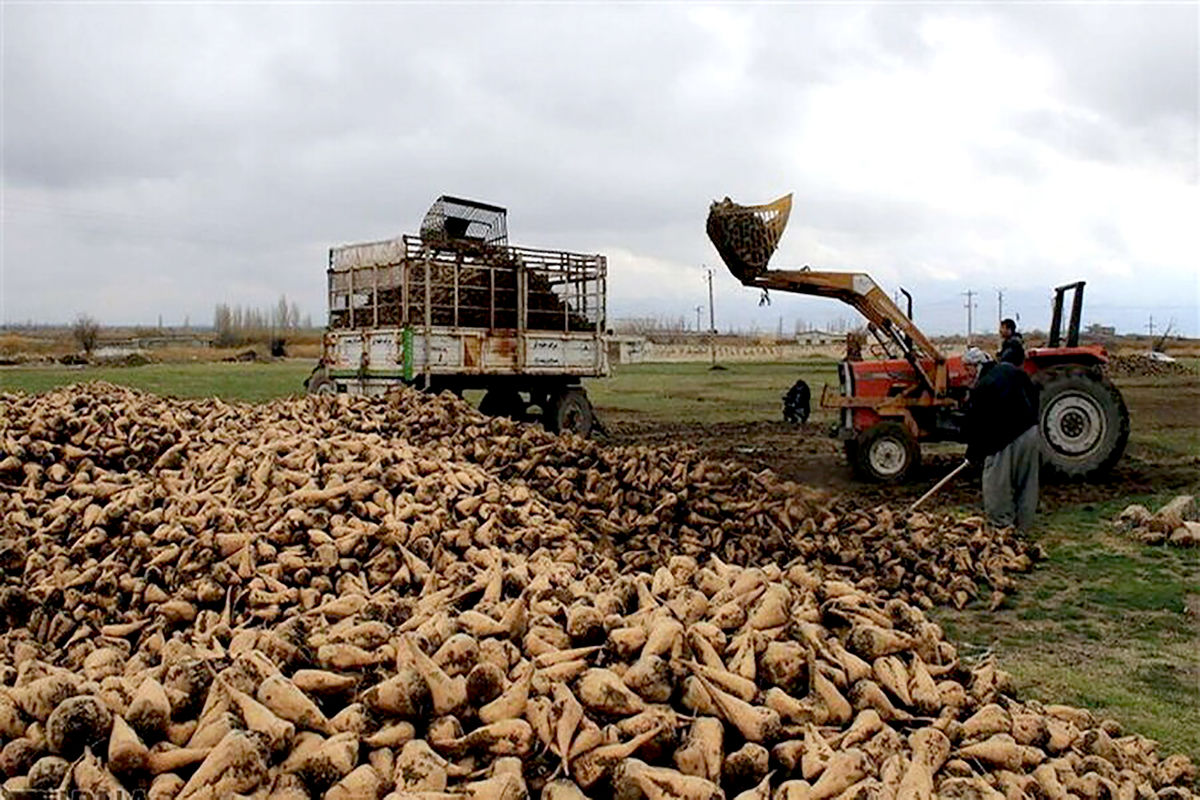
(1019, 159)
(164, 157)
(1138, 63)
(1134, 66)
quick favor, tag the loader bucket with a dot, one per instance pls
(746, 236)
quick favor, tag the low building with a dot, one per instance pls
(819, 337)
(626, 349)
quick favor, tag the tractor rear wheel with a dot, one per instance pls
(886, 453)
(1083, 419)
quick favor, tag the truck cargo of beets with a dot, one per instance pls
(458, 308)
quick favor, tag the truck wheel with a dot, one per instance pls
(502, 403)
(885, 452)
(320, 383)
(1083, 420)
(569, 410)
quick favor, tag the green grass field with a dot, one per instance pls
(229, 381)
(692, 392)
(682, 392)
(1105, 622)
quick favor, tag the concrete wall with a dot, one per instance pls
(626, 349)
(679, 353)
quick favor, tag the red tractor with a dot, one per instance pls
(886, 408)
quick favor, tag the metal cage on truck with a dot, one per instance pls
(458, 308)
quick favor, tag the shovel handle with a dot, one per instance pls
(937, 486)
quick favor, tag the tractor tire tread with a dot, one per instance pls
(1109, 396)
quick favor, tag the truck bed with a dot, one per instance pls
(406, 352)
(403, 309)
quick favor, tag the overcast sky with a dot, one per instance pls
(161, 158)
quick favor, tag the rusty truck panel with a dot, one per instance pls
(406, 310)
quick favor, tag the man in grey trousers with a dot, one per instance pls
(1002, 435)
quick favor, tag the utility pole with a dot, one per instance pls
(712, 323)
(970, 306)
(999, 304)
(698, 310)
(1150, 326)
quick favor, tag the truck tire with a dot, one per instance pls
(502, 403)
(320, 383)
(885, 453)
(569, 410)
(1083, 420)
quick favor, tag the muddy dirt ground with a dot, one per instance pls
(1165, 419)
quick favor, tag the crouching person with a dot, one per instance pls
(1002, 435)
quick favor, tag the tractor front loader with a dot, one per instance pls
(887, 407)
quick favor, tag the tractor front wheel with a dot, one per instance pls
(885, 453)
(1083, 420)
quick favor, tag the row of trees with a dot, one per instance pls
(238, 325)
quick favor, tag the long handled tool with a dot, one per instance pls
(937, 486)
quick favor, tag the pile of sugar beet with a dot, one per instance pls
(366, 599)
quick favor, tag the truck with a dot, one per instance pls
(913, 392)
(457, 308)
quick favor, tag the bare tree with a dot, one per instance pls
(223, 322)
(243, 325)
(86, 330)
(279, 319)
(1158, 345)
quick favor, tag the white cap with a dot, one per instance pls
(974, 357)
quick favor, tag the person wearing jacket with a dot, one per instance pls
(1002, 436)
(1012, 346)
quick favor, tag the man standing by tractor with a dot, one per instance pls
(1012, 346)
(1002, 435)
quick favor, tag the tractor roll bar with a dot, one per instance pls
(1076, 313)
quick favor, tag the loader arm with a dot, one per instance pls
(859, 290)
(853, 288)
(746, 238)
